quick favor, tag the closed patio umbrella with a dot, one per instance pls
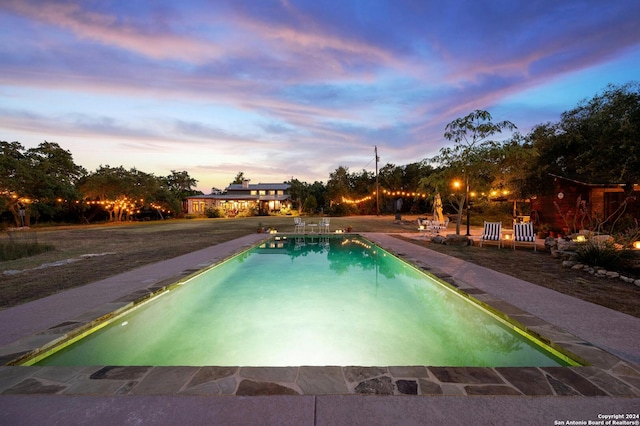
(437, 208)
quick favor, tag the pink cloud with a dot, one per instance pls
(108, 30)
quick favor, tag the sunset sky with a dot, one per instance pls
(294, 88)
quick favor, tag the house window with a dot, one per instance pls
(263, 192)
(198, 206)
(254, 192)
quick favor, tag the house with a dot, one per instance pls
(576, 204)
(243, 198)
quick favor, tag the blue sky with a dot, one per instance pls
(285, 88)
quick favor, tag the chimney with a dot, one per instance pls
(245, 184)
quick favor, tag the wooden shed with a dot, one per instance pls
(575, 204)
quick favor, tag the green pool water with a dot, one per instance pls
(308, 301)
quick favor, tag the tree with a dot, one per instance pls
(467, 157)
(120, 192)
(14, 169)
(605, 131)
(179, 186)
(239, 178)
(37, 182)
(54, 178)
(390, 177)
(513, 160)
(319, 191)
(339, 190)
(298, 192)
(338, 186)
(596, 142)
(310, 204)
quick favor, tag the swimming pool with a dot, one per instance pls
(308, 301)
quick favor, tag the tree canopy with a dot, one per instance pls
(39, 181)
(471, 159)
(596, 142)
(45, 184)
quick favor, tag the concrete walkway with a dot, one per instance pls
(610, 330)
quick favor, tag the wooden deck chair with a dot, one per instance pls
(492, 232)
(523, 234)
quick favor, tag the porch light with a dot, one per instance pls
(636, 245)
(507, 236)
(273, 231)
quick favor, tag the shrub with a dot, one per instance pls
(629, 235)
(15, 250)
(604, 254)
(342, 210)
(211, 212)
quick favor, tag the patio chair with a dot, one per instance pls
(523, 233)
(323, 227)
(298, 225)
(440, 226)
(492, 232)
(424, 226)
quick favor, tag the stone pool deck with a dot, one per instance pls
(606, 339)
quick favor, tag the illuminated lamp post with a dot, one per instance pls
(456, 185)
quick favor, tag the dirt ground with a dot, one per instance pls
(541, 269)
(85, 254)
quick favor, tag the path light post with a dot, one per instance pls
(456, 185)
(467, 204)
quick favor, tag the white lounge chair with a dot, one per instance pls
(492, 232)
(523, 234)
(299, 225)
(323, 226)
(424, 226)
(440, 226)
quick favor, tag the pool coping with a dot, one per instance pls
(607, 374)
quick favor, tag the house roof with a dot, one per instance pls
(235, 191)
(259, 186)
(235, 197)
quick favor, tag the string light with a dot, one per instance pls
(386, 192)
